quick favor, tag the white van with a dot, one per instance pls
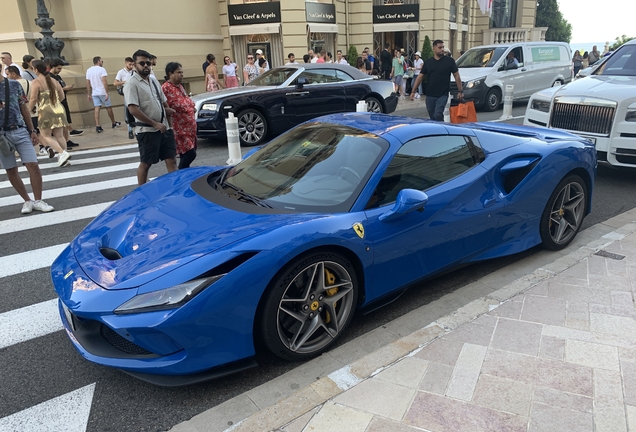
(485, 71)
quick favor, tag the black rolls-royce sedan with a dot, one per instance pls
(288, 95)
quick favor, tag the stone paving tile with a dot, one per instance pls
(609, 283)
(378, 424)
(573, 293)
(631, 417)
(486, 320)
(408, 372)
(622, 300)
(596, 265)
(609, 410)
(611, 324)
(608, 310)
(544, 310)
(540, 290)
(565, 400)
(627, 355)
(510, 309)
(516, 336)
(442, 351)
(546, 418)
(551, 347)
(539, 371)
(592, 354)
(578, 310)
(299, 424)
(503, 395)
(466, 372)
(588, 336)
(628, 370)
(576, 275)
(473, 333)
(378, 397)
(436, 378)
(333, 417)
(437, 413)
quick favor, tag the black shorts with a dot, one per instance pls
(156, 146)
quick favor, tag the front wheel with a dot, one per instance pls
(309, 306)
(564, 213)
(252, 127)
(374, 105)
(493, 100)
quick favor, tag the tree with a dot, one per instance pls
(352, 56)
(549, 15)
(620, 41)
(427, 49)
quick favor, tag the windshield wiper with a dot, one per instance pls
(240, 193)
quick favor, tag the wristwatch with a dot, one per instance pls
(33, 131)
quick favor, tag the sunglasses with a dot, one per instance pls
(144, 63)
(250, 58)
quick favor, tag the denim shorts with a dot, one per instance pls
(21, 140)
(101, 100)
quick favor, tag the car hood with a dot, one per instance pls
(599, 86)
(159, 227)
(469, 74)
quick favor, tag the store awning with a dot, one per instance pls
(323, 28)
(254, 29)
(395, 27)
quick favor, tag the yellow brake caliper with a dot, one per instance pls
(330, 278)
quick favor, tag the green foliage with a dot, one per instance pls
(352, 55)
(427, 49)
(549, 15)
(620, 41)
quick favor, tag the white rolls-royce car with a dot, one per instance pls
(600, 107)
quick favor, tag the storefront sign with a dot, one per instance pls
(320, 13)
(396, 13)
(254, 13)
(546, 53)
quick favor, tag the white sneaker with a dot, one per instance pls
(27, 207)
(62, 158)
(40, 205)
(43, 151)
(417, 95)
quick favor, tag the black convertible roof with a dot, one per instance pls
(355, 73)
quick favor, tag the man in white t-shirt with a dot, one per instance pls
(340, 59)
(97, 91)
(120, 80)
(292, 59)
(7, 61)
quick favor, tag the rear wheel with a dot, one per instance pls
(564, 213)
(252, 127)
(374, 105)
(309, 306)
(493, 99)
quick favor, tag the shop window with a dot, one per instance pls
(504, 14)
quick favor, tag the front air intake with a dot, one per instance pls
(110, 253)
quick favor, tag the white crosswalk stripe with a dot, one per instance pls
(29, 322)
(73, 174)
(76, 162)
(31, 260)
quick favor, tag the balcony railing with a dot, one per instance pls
(512, 35)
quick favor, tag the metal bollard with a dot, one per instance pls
(507, 109)
(233, 142)
(361, 106)
(447, 110)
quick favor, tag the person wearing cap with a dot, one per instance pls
(417, 68)
(259, 55)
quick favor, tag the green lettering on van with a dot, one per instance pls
(546, 53)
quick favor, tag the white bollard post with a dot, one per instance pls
(507, 108)
(233, 142)
(447, 110)
(361, 106)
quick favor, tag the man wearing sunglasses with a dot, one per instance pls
(148, 105)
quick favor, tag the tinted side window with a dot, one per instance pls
(423, 163)
(343, 76)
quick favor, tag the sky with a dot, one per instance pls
(598, 21)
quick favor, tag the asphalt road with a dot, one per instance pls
(46, 367)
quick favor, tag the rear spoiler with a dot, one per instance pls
(542, 133)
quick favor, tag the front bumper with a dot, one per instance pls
(476, 94)
(211, 127)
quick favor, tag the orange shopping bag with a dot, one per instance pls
(464, 112)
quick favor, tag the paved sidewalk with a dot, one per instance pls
(552, 351)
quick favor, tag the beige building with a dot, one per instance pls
(186, 31)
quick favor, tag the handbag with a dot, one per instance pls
(6, 146)
(464, 112)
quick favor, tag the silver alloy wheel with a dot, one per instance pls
(315, 306)
(373, 105)
(567, 213)
(252, 127)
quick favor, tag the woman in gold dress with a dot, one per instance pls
(47, 94)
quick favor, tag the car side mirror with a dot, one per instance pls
(301, 82)
(501, 68)
(408, 200)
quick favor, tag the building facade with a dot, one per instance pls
(186, 31)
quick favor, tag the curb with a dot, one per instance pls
(274, 415)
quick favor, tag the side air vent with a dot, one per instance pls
(110, 253)
(514, 171)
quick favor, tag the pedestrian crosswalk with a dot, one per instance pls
(31, 331)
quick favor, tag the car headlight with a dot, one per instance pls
(169, 298)
(630, 116)
(540, 105)
(209, 107)
(473, 83)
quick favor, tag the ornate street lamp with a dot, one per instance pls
(48, 45)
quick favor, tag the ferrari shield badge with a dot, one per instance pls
(359, 229)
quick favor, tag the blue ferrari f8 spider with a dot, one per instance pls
(184, 277)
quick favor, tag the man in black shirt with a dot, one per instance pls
(386, 62)
(438, 69)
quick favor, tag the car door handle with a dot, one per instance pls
(297, 93)
(490, 202)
